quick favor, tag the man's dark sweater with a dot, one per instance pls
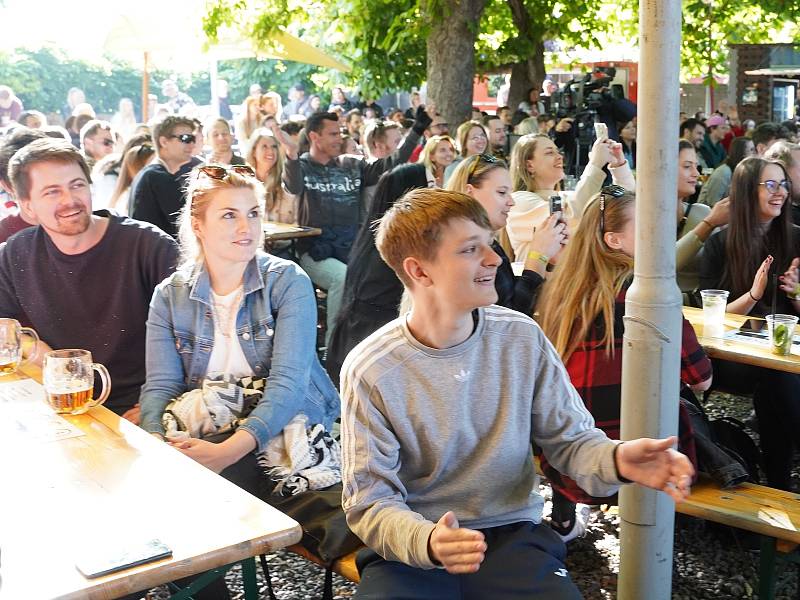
(330, 196)
(157, 195)
(97, 300)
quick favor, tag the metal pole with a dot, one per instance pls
(213, 75)
(653, 306)
(146, 88)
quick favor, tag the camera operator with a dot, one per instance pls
(581, 104)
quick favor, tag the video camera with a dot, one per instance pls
(581, 100)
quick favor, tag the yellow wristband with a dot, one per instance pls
(544, 259)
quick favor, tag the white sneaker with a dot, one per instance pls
(574, 528)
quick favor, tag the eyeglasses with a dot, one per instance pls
(219, 172)
(773, 186)
(185, 138)
(479, 158)
(610, 191)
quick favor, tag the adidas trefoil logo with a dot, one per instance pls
(462, 376)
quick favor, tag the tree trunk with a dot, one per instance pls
(529, 73)
(451, 56)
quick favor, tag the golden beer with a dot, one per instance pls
(7, 368)
(74, 402)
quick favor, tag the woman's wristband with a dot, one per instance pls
(542, 258)
(707, 222)
(753, 297)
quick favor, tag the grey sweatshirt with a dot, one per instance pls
(425, 431)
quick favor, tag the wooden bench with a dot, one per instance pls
(771, 513)
(345, 566)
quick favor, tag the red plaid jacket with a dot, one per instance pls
(598, 379)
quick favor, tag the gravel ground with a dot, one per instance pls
(710, 562)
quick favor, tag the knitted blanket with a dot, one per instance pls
(301, 457)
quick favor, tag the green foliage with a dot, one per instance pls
(41, 78)
(709, 26)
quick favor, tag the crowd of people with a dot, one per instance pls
(144, 243)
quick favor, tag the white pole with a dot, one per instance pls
(213, 75)
(653, 307)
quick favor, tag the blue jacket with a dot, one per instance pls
(276, 327)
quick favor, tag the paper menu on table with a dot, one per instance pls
(31, 419)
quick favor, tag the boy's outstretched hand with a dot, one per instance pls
(457, 549)
(654, 463)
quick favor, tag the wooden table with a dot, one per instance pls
(737, 351)
(116, 483)
(275, 232)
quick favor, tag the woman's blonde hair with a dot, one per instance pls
(272, 182)
(528, 126)
(247, 124)
(521, 179)
(431, 145)
(473, 171)
(462, 135)
(134, 160)
(588, 278)
(199, 194)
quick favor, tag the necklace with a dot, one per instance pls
(224, 315)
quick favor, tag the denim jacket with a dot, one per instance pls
(276, 327)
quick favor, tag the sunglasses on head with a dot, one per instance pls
(185, 138)
(773, 186)
(220, 172)
(479, 158)
(608, 193)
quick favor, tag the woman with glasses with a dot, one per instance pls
(759, 246)
(233, 316)
(581, 310)
(471, 139)
(438, 153)
(486, 179)
(537, 168)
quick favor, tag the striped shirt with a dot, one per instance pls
(429, 430)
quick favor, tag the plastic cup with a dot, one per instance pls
(781, 333)
(714, 304)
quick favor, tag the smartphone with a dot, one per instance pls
(601, 131)
(756, 328)
(556, 205)
(105, 560)
(754, 325)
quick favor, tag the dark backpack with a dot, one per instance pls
(725, 450)
(730, 434)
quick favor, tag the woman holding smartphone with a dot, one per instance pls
(487, 179)
(760, 240)
(581, 308)
(537, 168)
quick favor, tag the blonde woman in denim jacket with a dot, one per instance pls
(234, 310)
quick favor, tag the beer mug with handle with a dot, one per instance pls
(11, 333)
(68, 377)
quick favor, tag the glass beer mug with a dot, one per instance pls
(11, 333)
(68, 377)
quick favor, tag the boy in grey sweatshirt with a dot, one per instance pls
(440, 408)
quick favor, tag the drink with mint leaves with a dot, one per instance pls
(781, 333)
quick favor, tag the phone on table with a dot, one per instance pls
(556, 205)
(757, 328)
(105, 560)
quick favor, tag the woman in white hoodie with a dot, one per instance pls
(537, 168)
